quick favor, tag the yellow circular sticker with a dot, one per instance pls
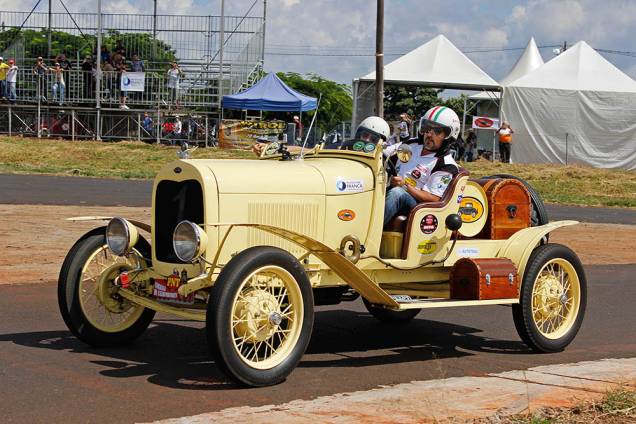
(427, 247)
(470, 209)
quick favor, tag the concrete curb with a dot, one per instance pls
(448, 400)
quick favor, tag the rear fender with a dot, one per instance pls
(520, 245)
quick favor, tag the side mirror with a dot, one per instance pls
(453, 222)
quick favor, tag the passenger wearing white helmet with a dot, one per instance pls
(428, 174)
(371, 131)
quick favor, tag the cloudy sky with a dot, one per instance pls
(347, 28)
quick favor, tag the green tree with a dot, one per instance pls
(410, 99)
(35, 43)
(335, 103)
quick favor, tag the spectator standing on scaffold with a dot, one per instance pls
(87, 77)
(105, 54)
(4, 68)
(174, 73)
(121, 72)
(40, 70)
(12, 77)
(59, 85)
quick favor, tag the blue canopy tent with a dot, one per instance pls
(271, 94)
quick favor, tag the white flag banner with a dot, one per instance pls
(133, 81)
(485, 123)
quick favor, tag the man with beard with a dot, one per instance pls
(428, 174)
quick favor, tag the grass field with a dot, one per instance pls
(557, 183)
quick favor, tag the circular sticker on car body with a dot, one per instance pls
(470, 209)
(428, 224)
(369, 147)
(358, 146)
(346, 215)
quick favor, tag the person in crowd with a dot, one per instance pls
(394, 137)
(460, 148)
(4, 68)
(116, 59)
(403, 126)
(87, 74)
(431, 169)
(40, 70)
(123, 94)
(119, 48)
(137, 65)
(505, 140)
(299, 128)
(471, 145)
(65, 64)
(105, 54)
(148, 125)
(59, 84)
(107, 80)
(12, 77)
(174, 73)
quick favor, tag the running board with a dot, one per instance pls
(405, 302)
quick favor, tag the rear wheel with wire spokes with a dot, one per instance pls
(260, 316)
(553, 299)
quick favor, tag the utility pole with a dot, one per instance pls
(379, 62)
(50, 35)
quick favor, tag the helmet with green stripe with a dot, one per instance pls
(441, 117)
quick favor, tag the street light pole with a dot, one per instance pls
(379, 62)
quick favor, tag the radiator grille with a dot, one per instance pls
(300, 216)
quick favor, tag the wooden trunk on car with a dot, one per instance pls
(509, 208)
(480, 279)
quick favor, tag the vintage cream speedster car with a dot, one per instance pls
(251, 246)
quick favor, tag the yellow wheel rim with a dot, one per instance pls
(556, 298)
(267, 317)
(102, 307)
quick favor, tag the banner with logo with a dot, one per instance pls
(133, 81)
(485, 123)
(235, 133)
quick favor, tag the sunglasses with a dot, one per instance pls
(436, 130)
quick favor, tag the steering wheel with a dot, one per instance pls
(390, 165)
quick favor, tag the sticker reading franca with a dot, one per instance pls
(349, 186)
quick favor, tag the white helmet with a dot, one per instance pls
(441, 116)
(376, 126)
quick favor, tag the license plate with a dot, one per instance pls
(168, 291)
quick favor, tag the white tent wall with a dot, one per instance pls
(600, 126)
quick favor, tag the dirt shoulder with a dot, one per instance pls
(35, 238)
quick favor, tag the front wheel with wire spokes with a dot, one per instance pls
(552, 300)
(88, 300)
(260, 316)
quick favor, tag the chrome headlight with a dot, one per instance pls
(189, 241)
(121, 236)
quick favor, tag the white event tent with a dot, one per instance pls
(576, 108)
(487, 103)
(437, 63)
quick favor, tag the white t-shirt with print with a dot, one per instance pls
(418, 172)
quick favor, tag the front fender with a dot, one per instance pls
(346, 270)
(138, 224)
(519, 247)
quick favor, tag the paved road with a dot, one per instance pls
(48, 375)
(52, 190)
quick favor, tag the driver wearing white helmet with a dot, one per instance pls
(427, 175)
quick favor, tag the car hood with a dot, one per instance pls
(310, 176)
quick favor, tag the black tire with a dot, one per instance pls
(525, 322)
(539, 214)
(69, 299)
(390, 316)
(221, 333)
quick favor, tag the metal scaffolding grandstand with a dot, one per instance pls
(217, 55)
